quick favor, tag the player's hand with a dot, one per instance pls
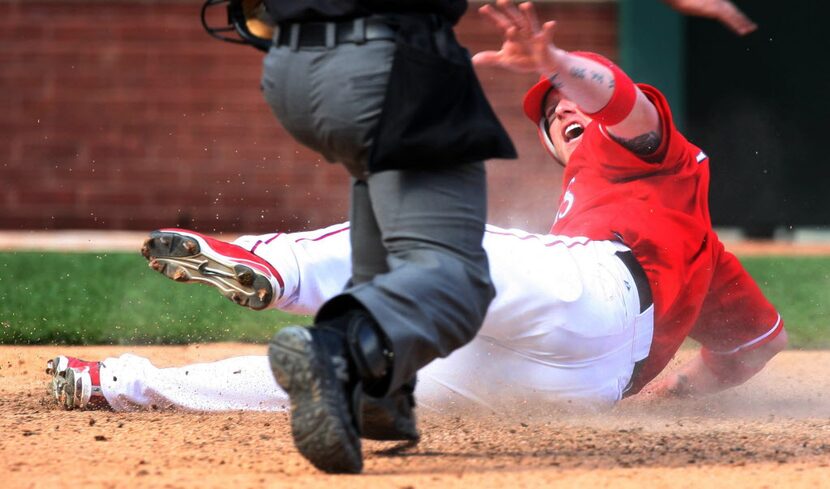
(528, 46)
(723, 10)
(672, 386)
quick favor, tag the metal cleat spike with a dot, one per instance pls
(190, 246)
(180, 275)
(157, 265)
(145, 249)
(246, 277)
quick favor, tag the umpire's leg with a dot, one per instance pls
(435, 295)
(368, 252)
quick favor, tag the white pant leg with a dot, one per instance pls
(131, 383)
(564, 330)
(562, 326)
(315, 265)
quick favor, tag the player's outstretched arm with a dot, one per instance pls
(597, 89)
(696, 378)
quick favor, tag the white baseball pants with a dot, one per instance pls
(564, 330)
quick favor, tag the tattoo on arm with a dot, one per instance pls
(578, 73)
(593, 76)
(554, 82)
(642, 145)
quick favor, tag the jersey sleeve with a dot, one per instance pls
(669, 139)
(618, 162)
(735, 317)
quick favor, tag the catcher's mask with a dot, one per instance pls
(248, 23)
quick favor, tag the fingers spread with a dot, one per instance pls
(513, 35)
(548, 30)
(487, 58)
(530, 16)
(496, 17)
(508, 8)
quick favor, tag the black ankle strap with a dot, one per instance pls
(369, 348)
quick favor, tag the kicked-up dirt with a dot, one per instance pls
(773, 431)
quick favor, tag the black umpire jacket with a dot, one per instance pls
(311, 10)
(435, 112)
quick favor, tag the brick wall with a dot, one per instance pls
(126, 115)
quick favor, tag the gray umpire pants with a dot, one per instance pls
(417, 260)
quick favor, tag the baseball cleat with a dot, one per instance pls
(77, 390)
(238, 274)
(57, 369)
(75, 383)
(318, 384)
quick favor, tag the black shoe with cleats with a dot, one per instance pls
(390, 418)
(320, 388)
(324, 369)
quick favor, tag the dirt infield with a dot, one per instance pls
(772, 432)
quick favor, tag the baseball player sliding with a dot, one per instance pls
(587, 314)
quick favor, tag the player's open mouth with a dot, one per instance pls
(573, 131)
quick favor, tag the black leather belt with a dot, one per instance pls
(640, 278)
(329, 34)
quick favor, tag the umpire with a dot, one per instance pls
(384, 88)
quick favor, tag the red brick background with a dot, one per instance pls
(126, 115)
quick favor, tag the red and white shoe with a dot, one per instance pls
(76, 383)
(187, 256)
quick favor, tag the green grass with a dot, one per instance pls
(114, 298)
(800, 289)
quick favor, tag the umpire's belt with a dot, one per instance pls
(329, 34)
(640, 278)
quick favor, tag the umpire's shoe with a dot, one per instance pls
(323, 369)
(390, 418)
(187, 256)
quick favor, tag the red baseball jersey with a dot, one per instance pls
(658, 207)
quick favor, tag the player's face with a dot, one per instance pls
(566, 124)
